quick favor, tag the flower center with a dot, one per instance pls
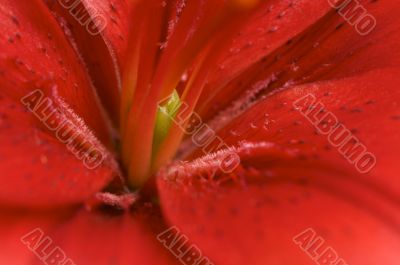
(171, 47)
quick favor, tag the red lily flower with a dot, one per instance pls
(300, 96)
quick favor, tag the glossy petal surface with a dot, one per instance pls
(84, 237)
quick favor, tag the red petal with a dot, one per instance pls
(85, 237)
(270, 27)
(37, 169)
(304, 48)
(102, 47)
(297, 180)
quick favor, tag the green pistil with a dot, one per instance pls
(167, 111)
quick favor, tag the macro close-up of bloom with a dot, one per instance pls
(199, 132)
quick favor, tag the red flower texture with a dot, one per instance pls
(289, 154)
